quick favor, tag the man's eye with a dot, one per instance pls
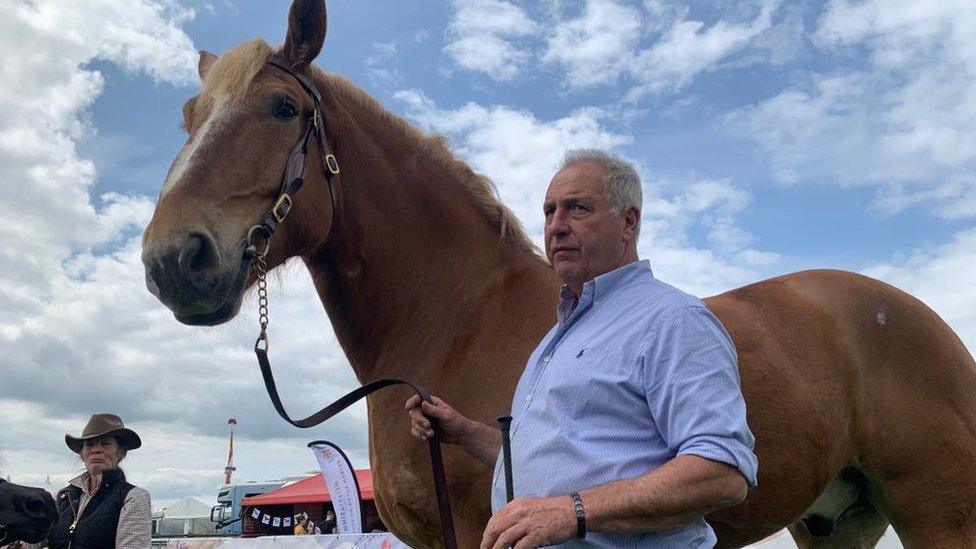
(284, 110)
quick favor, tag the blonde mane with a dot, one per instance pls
(232, 73)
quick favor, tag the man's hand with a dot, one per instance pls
(531, 522)
(477, 439)
(454, 427)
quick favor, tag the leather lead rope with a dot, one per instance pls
(436, 459)
(292, 181)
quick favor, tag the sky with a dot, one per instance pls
(770, 137)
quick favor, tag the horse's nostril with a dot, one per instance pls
(32, 506)
(35, 507)
(198, 254)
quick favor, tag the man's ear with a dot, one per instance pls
(631, 223)
(206, 59)
(306, 32)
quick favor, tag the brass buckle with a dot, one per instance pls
(282, 207)
(332, 164)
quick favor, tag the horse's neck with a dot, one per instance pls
(413, 258)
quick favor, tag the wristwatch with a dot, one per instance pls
(580, 515)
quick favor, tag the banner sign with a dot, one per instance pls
(343, 486)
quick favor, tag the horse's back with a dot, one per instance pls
(881, 334)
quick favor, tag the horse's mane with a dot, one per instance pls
(233, 71)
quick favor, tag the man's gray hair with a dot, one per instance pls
(620, 179)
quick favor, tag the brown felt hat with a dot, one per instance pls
(101, 425)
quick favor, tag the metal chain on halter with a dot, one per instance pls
(262, 268)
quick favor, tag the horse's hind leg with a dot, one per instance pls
(940, 530)
(925, 484)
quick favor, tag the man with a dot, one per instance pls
(629, 423)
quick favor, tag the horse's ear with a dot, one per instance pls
(206, 59)
(306, 32)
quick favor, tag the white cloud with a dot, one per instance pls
(904, 119)
(484, 35)
(693, 236)
(609, 40)
(376, 65)
(42, 105)
(597, 47)
(689, 48)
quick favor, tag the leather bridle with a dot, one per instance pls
(296, 166)
(291, 183)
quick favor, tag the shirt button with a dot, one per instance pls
(528, 398)
(545, 359)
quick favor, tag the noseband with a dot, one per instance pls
(291, 182)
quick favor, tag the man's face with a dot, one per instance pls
(583, 238)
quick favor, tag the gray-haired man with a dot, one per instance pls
(629, 423)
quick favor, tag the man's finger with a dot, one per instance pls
(412, 402)
(489, 536)
(509, 537)
(434, 411)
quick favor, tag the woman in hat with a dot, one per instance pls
(99, 508)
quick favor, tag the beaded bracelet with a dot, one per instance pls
(580, 515)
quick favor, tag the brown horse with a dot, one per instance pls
(862, 400)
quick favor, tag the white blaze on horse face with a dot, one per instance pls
(218, 114)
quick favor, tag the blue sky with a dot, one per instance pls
(771, 137)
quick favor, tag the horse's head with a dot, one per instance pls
(250, 114)
(26, 514)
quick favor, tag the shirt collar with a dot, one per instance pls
(108, 476)
(600, 286)
(81, 481)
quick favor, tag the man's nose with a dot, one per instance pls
(557, 224)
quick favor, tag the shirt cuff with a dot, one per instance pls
(723, 450)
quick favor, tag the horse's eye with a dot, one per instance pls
(284, 110)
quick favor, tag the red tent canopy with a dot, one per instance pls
(310, 490)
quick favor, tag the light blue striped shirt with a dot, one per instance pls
(634, 374)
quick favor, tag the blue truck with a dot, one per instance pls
(227, 513)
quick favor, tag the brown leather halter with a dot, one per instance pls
(292, 181)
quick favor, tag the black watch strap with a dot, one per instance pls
(580, 515)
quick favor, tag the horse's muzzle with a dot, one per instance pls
(192, 280)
